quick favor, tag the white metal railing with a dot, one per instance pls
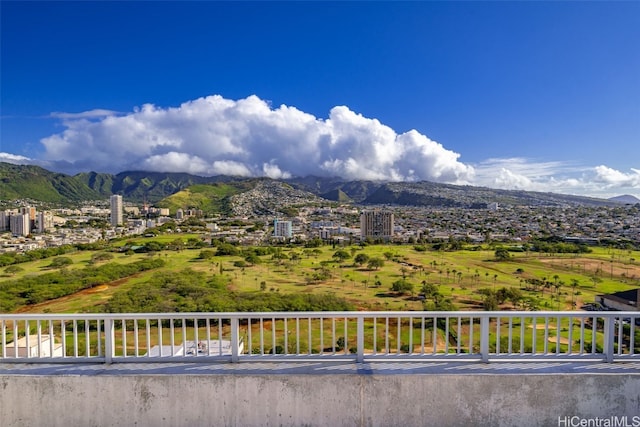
(355, 336)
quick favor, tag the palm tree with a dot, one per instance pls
(558, 285)
(574, 285)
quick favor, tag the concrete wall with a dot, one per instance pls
(316, 400)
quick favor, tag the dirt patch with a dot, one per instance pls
(599, 268)
(554, 340)
(541, 327)
(43, 306)
(96, 289)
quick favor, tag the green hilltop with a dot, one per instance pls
(34, 182)
(206, 197)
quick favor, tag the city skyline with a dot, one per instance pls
(518, 95)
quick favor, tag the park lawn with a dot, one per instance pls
(459, 275)
(356, 284)
(80, 259)
(162, 238)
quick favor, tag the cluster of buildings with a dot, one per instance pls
(376, 224)
(26, 220)
(590, 225)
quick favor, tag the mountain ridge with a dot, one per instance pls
(34, 182)
(625, 199)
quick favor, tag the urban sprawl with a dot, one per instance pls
(25, 227)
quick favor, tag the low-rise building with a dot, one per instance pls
(623, 301)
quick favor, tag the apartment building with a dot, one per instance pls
(376, 224)
(116, 210)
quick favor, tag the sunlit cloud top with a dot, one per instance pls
(249, 137)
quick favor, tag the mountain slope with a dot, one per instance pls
(447, 195)
(34, 182)
(271, 197)
(626, 199)
(206, 197)
(19, 182)
(141, 186)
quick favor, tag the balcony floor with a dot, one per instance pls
(325, 368)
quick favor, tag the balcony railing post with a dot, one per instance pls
(484, 338)
(109, 340)
(609, 338)
(235, 339)
(360, 339)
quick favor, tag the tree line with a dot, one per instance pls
(194, 291)
(34, 289)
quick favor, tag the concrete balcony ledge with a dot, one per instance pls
(562, 369)
(321, 394)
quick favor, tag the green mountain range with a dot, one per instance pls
(36, 183)
(213, 194)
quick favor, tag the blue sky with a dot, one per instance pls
(540, 96)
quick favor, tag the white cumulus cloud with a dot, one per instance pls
(615, 178)
(247, 137)
(14, 159)
(557, 177)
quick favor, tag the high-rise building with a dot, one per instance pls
(116, 210)
(376, 224)
(29, 210)
(282, 229)
(4, 220)
(20, 224)
(45, 221)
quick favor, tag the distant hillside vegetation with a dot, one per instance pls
(214, 194)
(142, 186)
(207, 197)
(626, 199)
(446, 195)
(337, 195)
(336, 188)
(34, 182)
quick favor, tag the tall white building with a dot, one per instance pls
(282, 229)
(116, 210)
(376, 224)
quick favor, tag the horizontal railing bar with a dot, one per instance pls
(358, 336)
(321, 314)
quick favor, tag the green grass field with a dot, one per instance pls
(459, 275)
